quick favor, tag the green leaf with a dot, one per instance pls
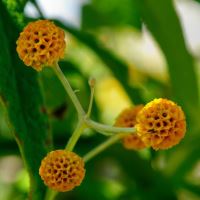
(20, 94)
(116, 14)
(161, 19)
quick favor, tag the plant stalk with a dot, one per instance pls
(94, 152)
(69, 90)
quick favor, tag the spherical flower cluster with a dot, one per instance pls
(62, 170)
(127, 118)
(133, 142)
(161, 124)
(41, 43)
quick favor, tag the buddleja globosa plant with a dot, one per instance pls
(160, 124)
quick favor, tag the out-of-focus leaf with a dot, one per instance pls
(138, 179)
(15, 9)
(111, 13)
(115, 64)
(153, 88)
(150, 183)
(161, 19)
(8, 147)
(20, 94)
(190, 187)
(182, 160)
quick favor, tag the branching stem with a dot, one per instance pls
(84, 122)
(94, 152)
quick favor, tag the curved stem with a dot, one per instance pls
(106, 128)
(108, 134)
(69, 90)
(92, 84)
(50, 195)
(85, 122)
(75, 136)
(91, 154)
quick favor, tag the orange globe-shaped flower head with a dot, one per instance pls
(161, 124)
(62, 170)
(41, 43)
(127, 118)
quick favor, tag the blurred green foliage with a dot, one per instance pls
(169, 36)
(116, 14)
(29, 98)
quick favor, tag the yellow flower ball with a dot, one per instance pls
(133, 142)
(62, 170)
(41, 43)
(127, 118)
(161, 124)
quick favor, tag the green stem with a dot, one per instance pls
(106, 128)
(69, 90)
(50, 195)
(92, 84)
(75, 136)
(85, 122)
(102, 147)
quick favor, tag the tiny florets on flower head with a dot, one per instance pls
(127, 118)
(161, 124)
(41, 43)
(62, 170)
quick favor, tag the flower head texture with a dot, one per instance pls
(127, 118)
(41, 43)
(62, 170)
(161, 124)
